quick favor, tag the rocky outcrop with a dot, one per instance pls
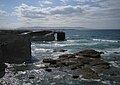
(15, 48)
(89, 53)
(86, 63)
(42, 35)
(2, 69)
(60, 36)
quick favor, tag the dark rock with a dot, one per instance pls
(117, 52)
(117, 83)
(86, 60)
(17, 50)
(73, 67)
(60, 36)
(54, 65)
(31, 77)
(86, 63)
(2, 69)
(75, 76)
(15, 32)
(59, 50)
(68, 63)
(103, 66)
(88, 73)
(47, 60)
(51, 61)
(1, 84)
(2, 73)
(113, 74)
(101, 52)
(89, 53)
(76, 66)
(48, 70)
(66, 56)
(44, 35)
(98, 62)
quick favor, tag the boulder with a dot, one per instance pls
(48, 70)
(59, 50)
(51, 61)
(66, 56)
(89, 53)
(75, 76)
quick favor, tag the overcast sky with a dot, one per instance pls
(97, 14)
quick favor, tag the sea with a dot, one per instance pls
(107, 41)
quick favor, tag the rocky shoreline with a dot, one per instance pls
(15, 45)
(87, 64)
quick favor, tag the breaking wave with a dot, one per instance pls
(103, 40)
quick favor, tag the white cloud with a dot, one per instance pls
(30, 11)
(67, 10)
(68, 15)
(110, 3)
(38, 12)
(82, 1)
(45, 2)
(3, 13)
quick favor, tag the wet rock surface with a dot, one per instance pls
(88, 62)
(31, 77)
(2, 69)
(89, 53)
(59, 50)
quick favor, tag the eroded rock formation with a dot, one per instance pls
(87, 63)
(42, 35)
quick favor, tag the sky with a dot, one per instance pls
(95, 14)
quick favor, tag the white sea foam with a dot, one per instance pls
(112, 51)
(103, 40)
(115, 63)
(89, 44)
(106, 82)
(90, 79)
(69, 41)
(77, 40)
(42, 49)
(40, 65)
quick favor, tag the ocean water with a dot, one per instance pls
(107, 41)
